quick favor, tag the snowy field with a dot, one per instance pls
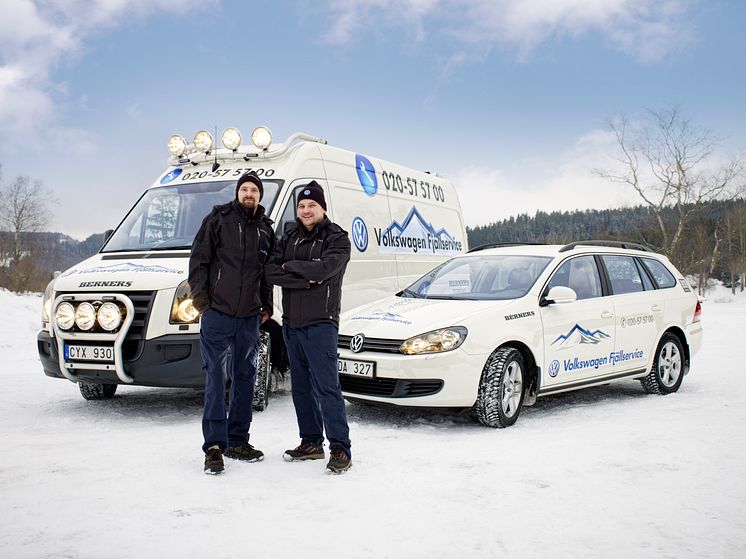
(608, 472)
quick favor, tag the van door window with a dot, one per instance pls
(290, 211)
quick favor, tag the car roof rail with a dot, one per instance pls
(602, 243)
(498, 245)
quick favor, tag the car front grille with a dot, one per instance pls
(381, 345)
(389, 387)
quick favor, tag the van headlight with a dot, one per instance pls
(436, 341)
(46, 306)
(182, 308)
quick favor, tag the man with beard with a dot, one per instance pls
(226, 277)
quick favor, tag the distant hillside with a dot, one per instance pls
(718, 232)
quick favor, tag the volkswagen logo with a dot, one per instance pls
(356, 343)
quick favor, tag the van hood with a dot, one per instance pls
(401, 317)
(148, 271)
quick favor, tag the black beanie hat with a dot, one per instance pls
(313, 191)
(250, 176)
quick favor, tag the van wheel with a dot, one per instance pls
(500, 396)
(668, 367)
(95, 391)
(263, 373)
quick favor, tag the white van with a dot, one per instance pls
(124, 316)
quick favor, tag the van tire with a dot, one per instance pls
(96, 391)
(500, 397)
(667, 372)
(263, 373)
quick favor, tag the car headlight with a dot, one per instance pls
(182, 308)
(436, 341)
(109, 316)
(85, 316)
(65, 316)
(46, 307)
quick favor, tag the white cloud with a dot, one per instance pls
(36, 34)
(562, 183)
(647, 29)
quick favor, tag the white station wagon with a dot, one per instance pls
(495, 328)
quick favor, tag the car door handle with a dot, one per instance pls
(656, 308)
(607, 314)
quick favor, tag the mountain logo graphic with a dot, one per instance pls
(415, 234)
(579, 335)
(130, 267)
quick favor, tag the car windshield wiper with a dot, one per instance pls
(444, 297)
(410, 293)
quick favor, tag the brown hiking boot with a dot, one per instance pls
(306, 450)
(214, 461)
(244, 452)
(339, 462)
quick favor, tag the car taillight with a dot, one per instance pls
(697, 312)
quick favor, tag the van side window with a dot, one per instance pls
(579, 274)
(290, 211)
(662, 276)
(623, 274)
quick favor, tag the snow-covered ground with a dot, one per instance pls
(607, 472)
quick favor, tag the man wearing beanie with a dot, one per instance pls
(226, 278)
(309, 263)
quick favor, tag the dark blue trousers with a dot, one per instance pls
(317, 396)
(218, 332)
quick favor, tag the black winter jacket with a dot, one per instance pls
(319, 255)
(226, 268)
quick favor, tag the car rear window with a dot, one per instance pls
(662, 276)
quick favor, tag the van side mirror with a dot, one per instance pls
(558, 294)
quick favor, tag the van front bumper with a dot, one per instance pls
(168, 361)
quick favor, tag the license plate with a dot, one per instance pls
(89, 353)
(357, 368)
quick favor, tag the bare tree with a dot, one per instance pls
(670, 164)
(23, 209)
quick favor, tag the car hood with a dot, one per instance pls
(400, 317)
(125, 272)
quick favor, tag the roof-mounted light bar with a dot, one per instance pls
(203, 146)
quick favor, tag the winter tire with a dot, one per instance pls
(668, 367)
(94, 391)
(263, 373)
(500, 396)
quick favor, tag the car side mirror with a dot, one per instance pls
(558, 294)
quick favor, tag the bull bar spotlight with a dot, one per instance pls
(109, 316)
(85, 316)
(65, 316)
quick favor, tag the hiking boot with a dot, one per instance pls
(214, 461)
(244, 452)
(306, 450)
(339, 462)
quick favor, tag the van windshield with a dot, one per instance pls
(480, 278)
(169, 217)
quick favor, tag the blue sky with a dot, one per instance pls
(510, 99)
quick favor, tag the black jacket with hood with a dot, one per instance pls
(226, 268)
(319, 255)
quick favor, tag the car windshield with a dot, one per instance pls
(479, 278)
(169, 217)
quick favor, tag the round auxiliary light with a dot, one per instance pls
(65, 316)
(261, 137)
(177, 145)
(203, 141)
(231, 138)
(85, 316)
(109, 316)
